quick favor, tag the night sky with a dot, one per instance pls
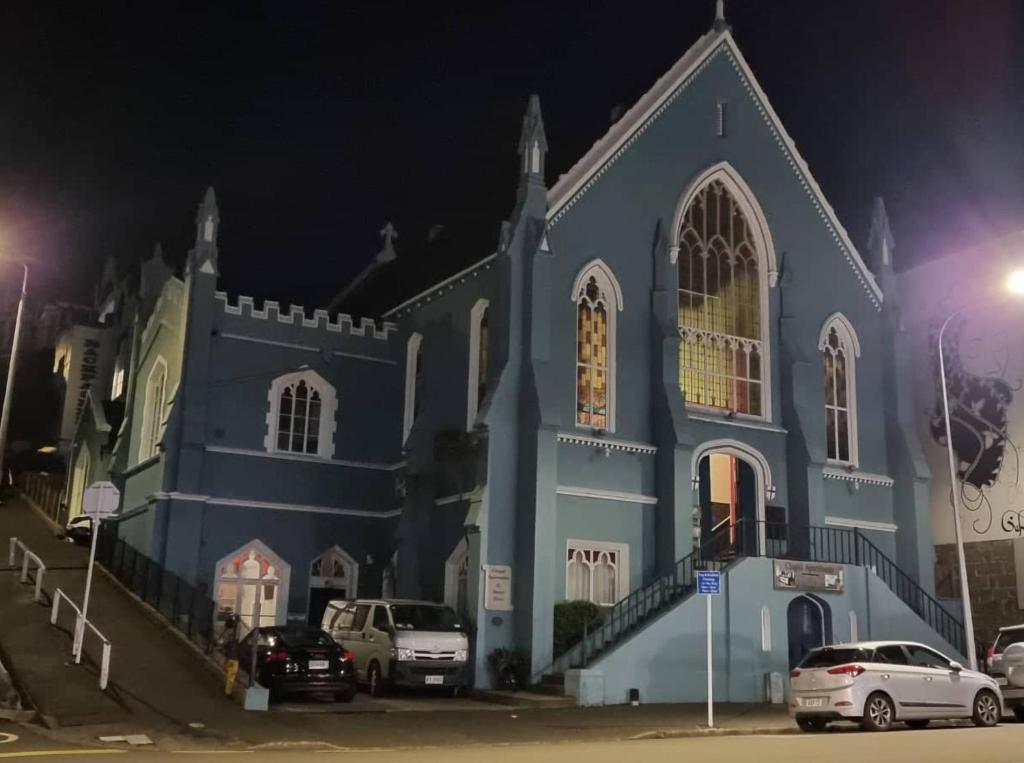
(316, 122)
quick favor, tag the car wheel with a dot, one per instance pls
(986, 709)
(918, 724)
(811, 725)
(374, 680)
(1018, 713)
(878, 713)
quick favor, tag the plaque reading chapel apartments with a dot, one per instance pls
(498, 590)
(808, 576)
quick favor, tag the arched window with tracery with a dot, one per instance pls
(840, 348)
(598, 298)
(301, 419)
(252, 583)
(721, 326)
(597, 572)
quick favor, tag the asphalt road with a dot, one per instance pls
(942, 745)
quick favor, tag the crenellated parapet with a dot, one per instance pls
(296, 316)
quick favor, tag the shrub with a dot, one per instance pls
(570, 619)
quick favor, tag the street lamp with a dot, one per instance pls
(1014, 285)
(5, 415)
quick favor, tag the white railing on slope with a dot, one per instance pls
(80, 625)
(26, 557)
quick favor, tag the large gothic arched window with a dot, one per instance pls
(721, 325)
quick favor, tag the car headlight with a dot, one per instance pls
(461, 655)
(403, 654)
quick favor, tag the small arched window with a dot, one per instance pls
(153, 413)
(598, 298)
(479, 355)
(413, 383)
(301, 420)
(840, 349)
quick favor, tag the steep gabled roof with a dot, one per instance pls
(719, 41)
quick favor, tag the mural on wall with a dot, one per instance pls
(979, 405)
(985, 379)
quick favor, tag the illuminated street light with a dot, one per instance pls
(1014, 285)
(5, 415)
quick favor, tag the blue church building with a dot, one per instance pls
(674, 359)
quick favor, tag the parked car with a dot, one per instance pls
(1004, 661)
(399, 642)
(79, 530)
(877, 683)
(298, 659)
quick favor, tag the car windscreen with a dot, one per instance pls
(423, 617)
(829, 658)
(300, 638)
(1007, 637)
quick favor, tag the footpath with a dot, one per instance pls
(161, 687)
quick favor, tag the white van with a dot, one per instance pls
(401, 642)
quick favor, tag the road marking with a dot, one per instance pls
(48, 753)
(6, 737)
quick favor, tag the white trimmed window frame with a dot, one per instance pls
(278, 578)
(596, 548)
(328, 412)
(476, 320)
(611, 295)
(757, 223)
(413, 358)
(349, 581)
(154, 410)
(849, 344)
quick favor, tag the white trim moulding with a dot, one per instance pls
(627, 446)
(414, 301)
(861, 524)
(308, 459)
(606, 495)
(247, 504)
(691, 413)
(848, 475)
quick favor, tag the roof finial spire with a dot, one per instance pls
(720, 22)
(389, 234)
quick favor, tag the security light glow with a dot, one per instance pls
(1016, 282)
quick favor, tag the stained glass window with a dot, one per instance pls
(720, 322)
(592, 356)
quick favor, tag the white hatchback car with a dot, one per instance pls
(877, 683)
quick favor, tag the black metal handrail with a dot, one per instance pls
(750, 538)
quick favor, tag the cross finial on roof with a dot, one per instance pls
(389, 234)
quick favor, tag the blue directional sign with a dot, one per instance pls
(709, 582)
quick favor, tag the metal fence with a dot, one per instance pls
(186, 607)
(47, 491)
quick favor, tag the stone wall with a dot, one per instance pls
(992, 575)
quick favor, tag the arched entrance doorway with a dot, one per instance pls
(252, 582)
(809, 623)
(332, 575)
(728, 506)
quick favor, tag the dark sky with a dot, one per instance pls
(316, 122)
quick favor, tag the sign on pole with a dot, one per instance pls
(709, 583)
(99, 502)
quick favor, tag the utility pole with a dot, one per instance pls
(5, 416)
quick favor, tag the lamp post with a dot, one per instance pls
(5, 415)
(1015, 285)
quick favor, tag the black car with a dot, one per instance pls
(79, 530)
(298, 659)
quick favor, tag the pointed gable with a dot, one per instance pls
(718, 42)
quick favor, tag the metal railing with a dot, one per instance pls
(748, 538)
(46, 491)
(79, 635)
(628, 613)
(27, 558)
(185, 606)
